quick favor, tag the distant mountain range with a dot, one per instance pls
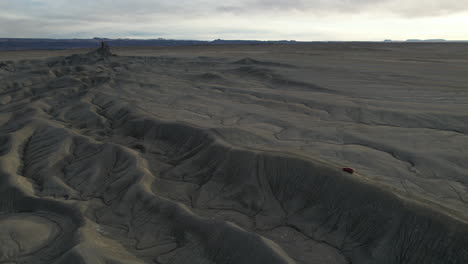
(59, 44)
(426, 40)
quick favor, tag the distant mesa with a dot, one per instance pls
(103, 53)
(426, 40)
(104, 50)
(101, 39)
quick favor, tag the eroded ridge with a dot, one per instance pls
(101, 180)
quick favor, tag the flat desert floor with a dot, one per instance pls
(234, 154)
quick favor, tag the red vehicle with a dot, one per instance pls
(349, 170)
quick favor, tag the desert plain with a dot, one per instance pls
(233, 154)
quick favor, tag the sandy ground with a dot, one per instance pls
(233, 154)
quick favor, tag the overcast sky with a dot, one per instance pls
(241, 19)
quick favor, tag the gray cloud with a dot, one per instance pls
(112, 8)
(301, 5)
(22, 18)
(416, 8)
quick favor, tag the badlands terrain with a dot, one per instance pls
(234, 154)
